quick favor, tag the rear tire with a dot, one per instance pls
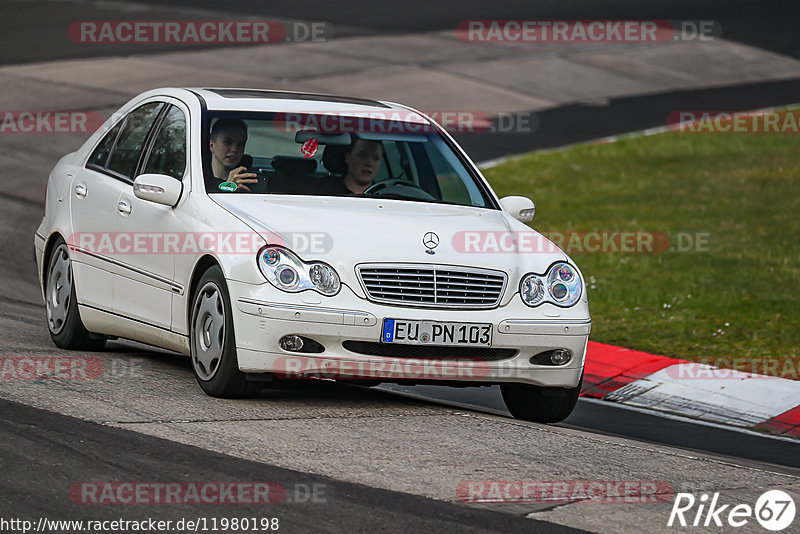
(212, 341)
(538, 404)
(63, 318)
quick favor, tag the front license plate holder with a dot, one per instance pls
(442, 333)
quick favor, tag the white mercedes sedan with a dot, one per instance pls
(271, 236)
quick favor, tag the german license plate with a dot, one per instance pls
(409, 332)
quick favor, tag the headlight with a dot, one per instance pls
(532, 290)
(284, 270)
(561, 285)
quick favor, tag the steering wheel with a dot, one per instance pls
(378, 186)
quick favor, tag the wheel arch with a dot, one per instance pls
(202, 265)
(49, 246)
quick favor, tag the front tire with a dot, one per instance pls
(63, 318)
(212, 341)
(538, 404)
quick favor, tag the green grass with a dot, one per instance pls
(740, 299)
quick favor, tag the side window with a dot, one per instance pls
(100, 154)
(168, 154)
(126, 153)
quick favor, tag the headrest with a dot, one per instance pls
(293, 165)
(333, 159)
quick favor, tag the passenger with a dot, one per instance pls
(363, 159)
(227, 142)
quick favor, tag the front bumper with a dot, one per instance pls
(263, 315)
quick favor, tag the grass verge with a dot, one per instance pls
(733, 298)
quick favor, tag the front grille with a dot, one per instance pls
(421, 352)
(433, 285)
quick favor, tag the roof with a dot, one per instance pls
(291, 95)
(222, 99)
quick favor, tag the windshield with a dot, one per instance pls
(304, 154)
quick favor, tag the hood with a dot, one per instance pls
(348, 231)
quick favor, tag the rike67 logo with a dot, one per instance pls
(774, 510)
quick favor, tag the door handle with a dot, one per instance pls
(124, 208)
(80, 190)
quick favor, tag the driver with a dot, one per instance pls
(363, 158)
(227, 142)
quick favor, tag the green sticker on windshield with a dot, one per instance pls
(227, 186)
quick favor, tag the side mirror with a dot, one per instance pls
(158, 188)
(521, 208)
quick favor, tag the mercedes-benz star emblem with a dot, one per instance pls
(431, 241)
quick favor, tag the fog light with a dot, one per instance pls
(291, 343)
(560, 356)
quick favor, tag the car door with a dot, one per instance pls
(144, 290)
(94, 195)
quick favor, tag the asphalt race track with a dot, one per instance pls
(385, 459)
(49, 450)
